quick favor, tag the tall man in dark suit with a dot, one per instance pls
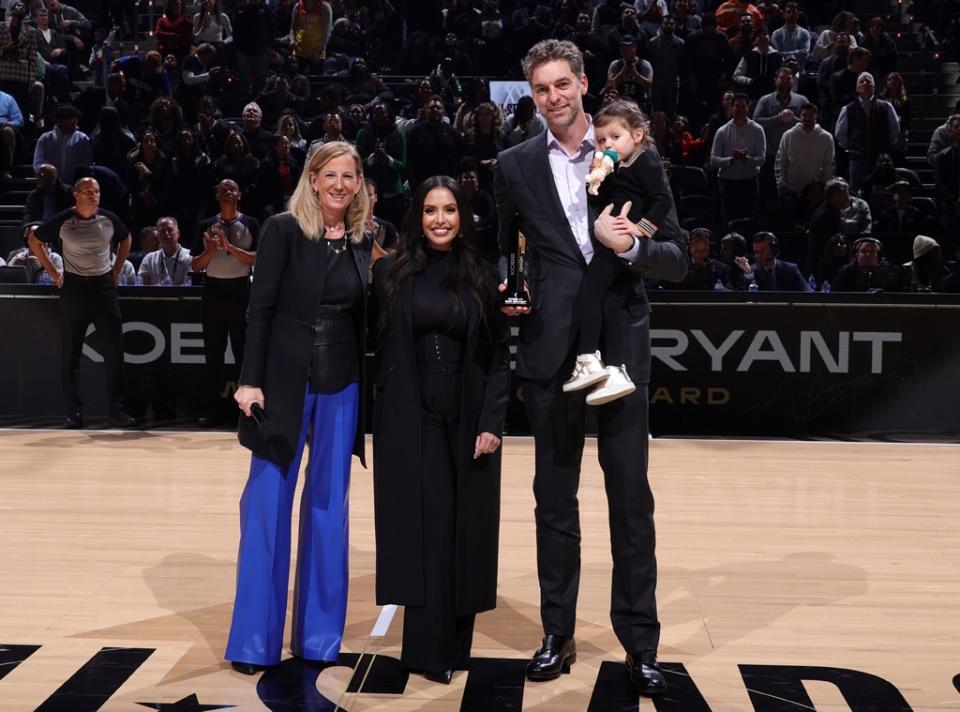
(543, 180)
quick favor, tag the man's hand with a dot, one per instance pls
(743, 264)
(117, 271)
(211, 244)
(786, 116)
(57, 277)
(613, 231)
(515, 311)
(486, 444)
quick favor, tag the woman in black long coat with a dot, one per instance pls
(441, 393)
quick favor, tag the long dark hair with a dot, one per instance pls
(411, 255)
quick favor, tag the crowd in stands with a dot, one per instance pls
(784, 127)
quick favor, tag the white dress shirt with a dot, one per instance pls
(570, 177)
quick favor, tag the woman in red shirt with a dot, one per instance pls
(174, 31)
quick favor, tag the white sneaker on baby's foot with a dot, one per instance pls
(588, 370)
(617, 385)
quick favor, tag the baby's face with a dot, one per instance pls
(615, 135)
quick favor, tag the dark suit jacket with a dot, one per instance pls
(397, 457)
(33, 207)
(287, 287)
(947, 164)
(825, 223)
(787, 275)
(523, 183)
(914, 221)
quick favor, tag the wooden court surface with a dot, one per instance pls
(117, 556)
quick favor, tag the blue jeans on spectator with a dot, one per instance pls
(58, 78)
(859, 169)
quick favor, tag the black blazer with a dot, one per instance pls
(33, 206)
(523, 183)
(914, 221)
(287, 288)
(947, 164)
(397, 457)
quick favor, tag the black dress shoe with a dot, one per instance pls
(122, 419)
(74, 421)
(442, 676)
(645, 674)
(555, 656)
(247, 668)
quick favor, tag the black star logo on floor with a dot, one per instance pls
(187, 704)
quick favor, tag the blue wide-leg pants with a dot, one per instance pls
(263, 563)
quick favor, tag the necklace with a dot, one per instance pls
(337, 247)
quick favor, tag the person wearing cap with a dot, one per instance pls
(65, 147)
(631, 76)
(866, 127)
(902, 217)
(926, 270)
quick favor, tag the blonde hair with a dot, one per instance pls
(304, 204)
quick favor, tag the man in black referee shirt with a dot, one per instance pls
(88, 294)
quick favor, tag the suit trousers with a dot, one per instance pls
(263, 563)
(434, 636)
(223, 311)
(86, 300)
(557, 423)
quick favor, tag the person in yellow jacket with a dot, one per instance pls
(310, 31)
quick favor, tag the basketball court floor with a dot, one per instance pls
(793, 576)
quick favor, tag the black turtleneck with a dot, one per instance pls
(439, 317)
